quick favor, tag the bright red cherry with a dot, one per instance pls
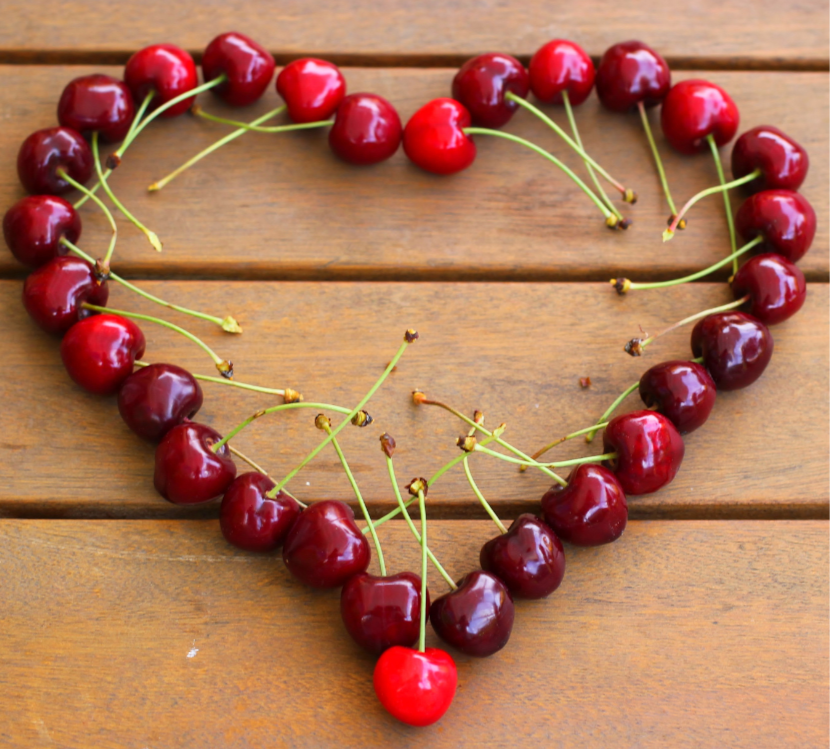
(312, 89)
(99, 352)
(694, 109)
(416, 688)
(776, 287)
(560, 66)
(481, 83)
(528, 559)
(165, 70)
(366, 130)
(34, 226)
(249, 520)
(435, 140)
(44, 152)
(630, 73)
(97, 103)
(156, 398)
(325, 547)
(591, 510)
(248, 67)
(53, 294)
(782, 161)
(683, 391)
(785, 219)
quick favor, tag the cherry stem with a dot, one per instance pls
(578, 433)
(236, 384)
(602, 422)
(259, 469)
(90, 194)
(726, 202)
(423, 634)
(559, 464)
(484, 503)
(657, 160)
(199, 112)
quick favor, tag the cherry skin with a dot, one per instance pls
(249, 520)
(591, 510)
(735, 347)
(694, 109)
(630, 73)
(312, 89)
(366, 130)
(167, 71)
(784, 218)
(435, 140)
(560, 66)
(477, 617)
(44, 152)
(34, 226)
(528, 559)
(382, 612)
(782, 161)
(248, 67)
(481, 83)
(97, 103)
(156, 398)
(53, 294)
(776, 287)
(683, 391)
(325, 547)
(416, 688)
(649, 451)
(99, 352)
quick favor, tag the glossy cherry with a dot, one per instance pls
(683, 391)
(97, 103)
(435, 140)
(560, 66)
(44, 152)
(366, 130)
(782, 161)
(312, 89)
(630, 73)
(416, 688)
(156, 398)
(776, 287)
(34, 226)
(165, 70)
(591, 510)
(528, 559)
(325, 547)
(694, 109)
(784, 218)
(481, 83)
(735, 347)
(247, 66)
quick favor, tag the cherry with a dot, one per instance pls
(164, 70)
(630, 73)
(694, 109)
(156, 398)
(312, 89)
(782, 161)
(97, 103)
(99, 352)
(247, 66)
(560, 66)
(735, 347)
(416, 688)
(435, 140)
(786, 220)
(249, 520)
(528, 559)
(45, 152)
(649, 451)
(591, 510)
(776, 287)
(325, 547)
(53, 294)
(366, 129)
(481, 83)
(683, 391)
(475, 618)
(34, 226)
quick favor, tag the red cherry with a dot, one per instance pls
(630, 73)
(366, 130)
(97, 103)
(248, 67)
(312, 89)
(776, 286)
(786, 220)
(99, 352)
(416, 688)
(560, 66)
(481, 83)
(683, 391)
(46, 151)
(435, 140)
(167, 71)
(694, 109)
(782, 161)
(34, 226)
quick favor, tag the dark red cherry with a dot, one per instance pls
(782, 161)
(165, 70)
(325, 547)
(528, 559)
(366, 130)
(683, 391)
(785, 219)
(735, 347)
(97, 103)
(381, 612)
(44, 152)
(435, 140)
(481, 83)
(312, 89)
(694, 109)
(156, 398)
(249, 520)
(416, 688)
(99, 352)
(477, 617)
(630, 73)
(776, 286)
(591, 510)
(53, 294)
(248, 67)
(34, 226)
(560, 66)
(649, 451)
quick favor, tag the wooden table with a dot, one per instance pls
(129, 622)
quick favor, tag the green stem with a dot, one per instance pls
(698, 360)
(587, 430)
(484, 503)
(422, 636)
(658, 162)
(559, 464)
(243, 386)
(726, 202)
(603, 420)
(199, 112)
(90, 194)
(696, 316)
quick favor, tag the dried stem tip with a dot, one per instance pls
(634, 347)
(102, 271)
(387, 444)
(621, 285)
(411, 335)
(466, 442)
(322, 422)
(680, 224)
(478, 417)
(292, 396)
(630, 196)
(612, 221)
(584, 382)
(362, 419)
(418, 485)
(225, 368)
(418, 397)
(625, 223)
(113, 161)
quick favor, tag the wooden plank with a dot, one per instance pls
(287, 209)
(153, 633)
(516, 351)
